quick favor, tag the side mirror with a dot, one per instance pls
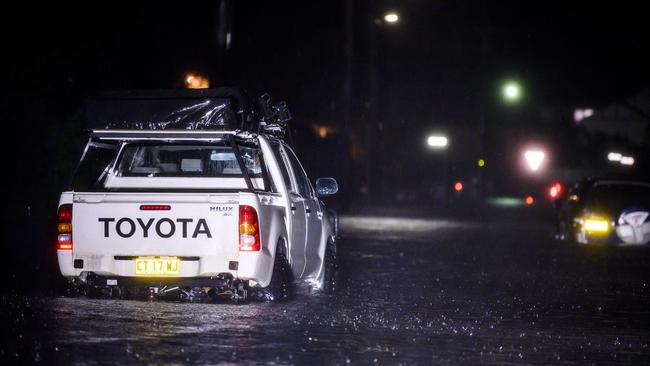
(326, 187)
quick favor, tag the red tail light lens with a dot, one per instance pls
(249, 230)
(65, 213)
(64, 240)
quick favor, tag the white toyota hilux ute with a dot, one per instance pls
(173, 211)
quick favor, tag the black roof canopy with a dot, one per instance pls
(185, 109)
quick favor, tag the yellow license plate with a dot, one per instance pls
(150, 266)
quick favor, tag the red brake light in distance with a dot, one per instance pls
(155, 207)
(64, 240)
(555, 191)
(249, 230)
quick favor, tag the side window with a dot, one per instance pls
(283, 165)
(94, 165)
(304, 188)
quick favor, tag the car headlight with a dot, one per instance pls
(596, 225)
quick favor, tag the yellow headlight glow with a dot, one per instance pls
(596, 225)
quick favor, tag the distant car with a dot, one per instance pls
(606, 211)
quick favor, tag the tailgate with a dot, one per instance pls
(120, 226)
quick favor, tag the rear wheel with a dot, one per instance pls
(331, 268)
(95, 292)
(102, 292)
(280, 287)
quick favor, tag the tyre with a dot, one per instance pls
(330, 268)
(96, 292)
(280, 288)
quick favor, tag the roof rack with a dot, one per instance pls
(217, 109)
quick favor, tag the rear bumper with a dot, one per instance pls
(94, 279)
(253, 266)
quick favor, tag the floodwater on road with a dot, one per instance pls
(413, 291)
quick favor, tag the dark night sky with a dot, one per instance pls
(569, 52)
(566, 53)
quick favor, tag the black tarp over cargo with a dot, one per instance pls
(201, 109)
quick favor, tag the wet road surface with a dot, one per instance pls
(491, 291)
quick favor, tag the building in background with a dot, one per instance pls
(627, 119)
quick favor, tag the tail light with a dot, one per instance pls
(249, 230)
(529, 200)
(555, 191)
(64, 240)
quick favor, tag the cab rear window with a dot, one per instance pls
(154, 166)
(187, 160)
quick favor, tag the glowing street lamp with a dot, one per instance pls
(193, 81)
(534, 158)
(437, 141)
(627, 160)
(614, 156)
(391, 17)
(620, 158)
(512, 92)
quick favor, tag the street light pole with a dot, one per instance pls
(440, 142)
(374, 133)
(347, 92)
(372, 101)
(224, 37)
(482, 123)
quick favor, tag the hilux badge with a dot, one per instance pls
(221, 208)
